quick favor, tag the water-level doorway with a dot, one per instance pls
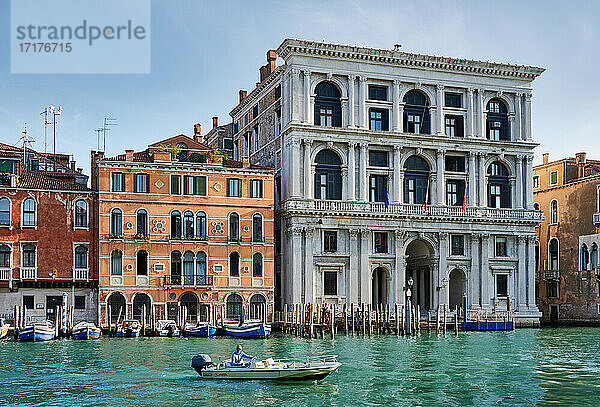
(457, 288)
(420, 261)
(380, 287)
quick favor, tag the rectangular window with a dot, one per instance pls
(118, 182)
(330, 283)
(235, 128)
(200, 182)
(28, 301)
(381, 245)
(495, 130)
(495, 196)
(234, 187)
(255, 112)
(378, 159)
(552, 289)
(455, 163)
(246, 119)
(175, 184)
(79, 302)
(454, 126)
(256, 188)
(379, 119)
(377, 92)
(501, 249)
(329, 241)
(188, 185)
(377, 188)
(455, 192)
(326, 116)
(141, 183)
(323, 186)
(277, 92)
(501, 285)
(536, 181)
(494, 107)
(227, 143)
(554, 177)
(412, 191)
(457, 243)
(453, 99)
(414, 123)
(255, 138)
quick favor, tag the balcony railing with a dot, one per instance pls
(551, 275)
(81, 274)
(5, 274)
(189, 280)
(596, 219)
(28, 273)
(402, 209)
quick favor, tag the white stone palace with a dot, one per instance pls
(396, 167)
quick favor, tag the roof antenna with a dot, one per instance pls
(25, 141)
(108, 121)
(397, 47)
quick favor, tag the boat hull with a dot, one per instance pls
(36, 334)
(254, 331)
(3, 331)
(86, 334)
(312, 373)
(128, 334)
(202, 332)
(163, 333)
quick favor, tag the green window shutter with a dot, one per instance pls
(240, 188)
(229, 187)
(148, 183)
(135, 185)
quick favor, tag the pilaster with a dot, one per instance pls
(309, 270)
(396, 106)
(365, 275)
(440, 110)
(307, 112)
(351, 171)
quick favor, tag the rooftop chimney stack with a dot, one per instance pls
(267, 69)
(128, 155)
(198, 132)
(580, 160)
(243, 95)
(215, 121)
(545, 158)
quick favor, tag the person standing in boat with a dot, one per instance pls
(237, 357)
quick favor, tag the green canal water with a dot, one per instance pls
(526, 367)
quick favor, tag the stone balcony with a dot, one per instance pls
(5, 274)
(551, 275)
(596, 219)
(402, 210)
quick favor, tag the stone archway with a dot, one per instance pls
(380, 287)
(141, 302)
(457, 287)
(420, 262)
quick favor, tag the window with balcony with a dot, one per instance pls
(328, 105)
(499, 193)
(116, 262)
(257, 265)
(81, 257)
(5, 211)
(416, 180)
(176, 229)
(594, 256)
(328, 175)
(457, 243)
(501, 246)
(454, 126)
(381, 242)
(176, 267)
(455, 192)
(329, 241)
(141, 223)
(116, 222)
(330, 283)
(201, 225)
(452, 99)
(188, 268)
(416, 113)
(29, 212)
(379, 119)
(553, 254)
(234, 264)
(141, 183)
(234, 227)
(234, 187)
(201, 277)
(257, 228)
(118, 182)
(29, 255)
(81, 214)
(554, 211)
(497, 120)
(142, 263)
(501, 285)
(188, 224)
(377, 188)
(5, 256)
(455, 163)
(377, 92)
(378, 159)
(256, 188)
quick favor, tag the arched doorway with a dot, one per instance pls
(190, 302)
(258, 306)
(141, 300)
(234, 306)
(457, 286)
(117, 305)
(419, 267)
(380, 289)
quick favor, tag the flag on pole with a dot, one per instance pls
(387, 197)
(426, 195)
(464, 205)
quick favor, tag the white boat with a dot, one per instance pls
(3, 328)
(85, 330)
(310, 368)
(37, 332)
(130, 328)
(167, 328)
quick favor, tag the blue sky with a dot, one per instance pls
(204, 52)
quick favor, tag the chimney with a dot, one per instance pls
(580, 160)
(215, 121)
(545, 158)
(243, 95)
(271, 58)
(246, 162)
(72, 165)
(80, 170)
(198, 132)
(128, 155)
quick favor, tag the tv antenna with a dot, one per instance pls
(46, 123)
(54, 111)
(108, 121)
(98, 131)
(25, 140)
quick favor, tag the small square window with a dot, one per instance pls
(554, 177)
(234, 187)
(256, 188)
(118, 182)
(501, 285)
(227, 143)
(378, 159)
(330, 283)
(80, 302)
(453, 99)
(455, 163)
(501, 249)
(457, 245)
(381, 245)
(330, 241)
(255, 112)
(377, 92)
(28, 301)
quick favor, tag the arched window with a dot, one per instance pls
(142, 223)
(234, 306)
(116, 262)
(182, 155)
(234, 264)
(328, 175)
(188, 268)
(142, 263)
(498, 186)
(201, 225)
(553, 254)
(416, 113)
(554, 211)
(257, 265)
(258, 306)
(497, 120)
(188, 224)
(594, 256)
(81, 214)
(175, 225)
(584, 257)
(29, 212)
(201, 269)
(328, 105)
(257, 227)
(175, 267)
(416, 180)
(5, 256)
(29, 259)
(234, 226)
(81, 257)
(116, 222)
(4, 211)
(189, 301)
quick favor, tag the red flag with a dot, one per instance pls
(426, 195)
(464, 205)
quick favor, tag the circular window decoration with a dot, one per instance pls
(129, 225)
(204, 296)
(246, 228)
(172, 296)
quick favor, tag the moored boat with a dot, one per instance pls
(37, 333)
(3, 328)
(85, 330)
(167, 328)
(130, 328)
(201, 329)
(251, 329)
(310, 368)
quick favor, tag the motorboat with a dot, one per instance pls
(310, 368)
(201, 329)
(250, 329)
(85, 330)
(130, 328)
(167, 328)
(3, 328)
(37, 332)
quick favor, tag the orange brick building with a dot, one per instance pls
(180, 227)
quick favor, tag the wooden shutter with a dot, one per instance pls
(239, 188)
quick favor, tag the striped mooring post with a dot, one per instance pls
(63, 316)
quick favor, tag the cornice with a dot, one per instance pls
(406, 59)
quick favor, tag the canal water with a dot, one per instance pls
(526, 367)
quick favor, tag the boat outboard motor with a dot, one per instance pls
(200, 362)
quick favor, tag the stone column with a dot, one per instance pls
(345, 192)
(529, 182)
(362, 106)
(295, 164)
(512, 126)
(294, 268)
(307, 168)
(351, 101)
(307, 115)
(513, 188)
(530, 274)
(519, 184)
(521, 293)
(396, 106)
(482, 180)
(472, 187)
(441, 196)
(363, 181)
(486, 274)
(400, 279)
(351, 171)
(397, 181)
(309, 270)
(365, 273)
(527, 136)
(519, 116)
(354, 278)
(443, 269)
(401, 117)
(440, 110)
(475, 300)
(295, 95)
(470, 107)
(401, 188)
(481, 114)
